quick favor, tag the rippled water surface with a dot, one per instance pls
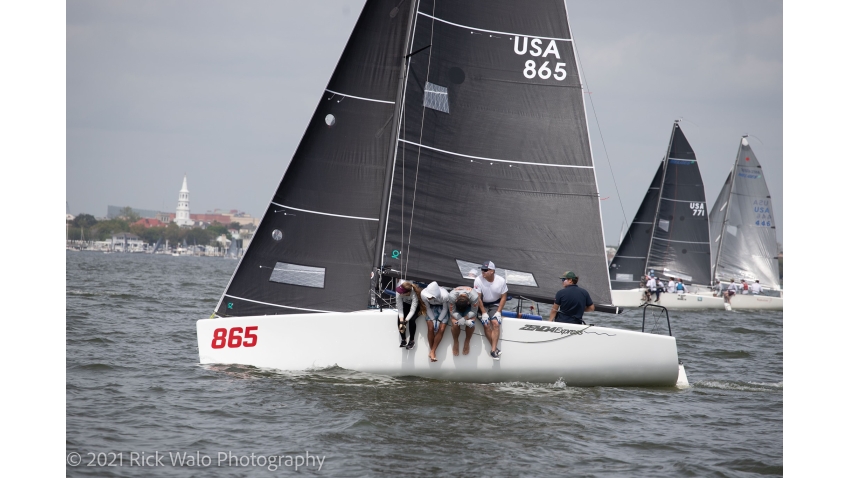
(134, 385)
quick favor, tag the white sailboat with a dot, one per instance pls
(744, 244)
(439, 124)
(669, 236)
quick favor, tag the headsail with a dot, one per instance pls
(680, 243)
(629, 264)
(746, 233)
(313, 249)
(493, 159)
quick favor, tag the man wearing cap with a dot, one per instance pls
(463, 308)
(493, 290)
(571, 302)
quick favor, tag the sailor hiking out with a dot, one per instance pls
(409, 306)
(463, 307)
(437, 309)
(494, 292)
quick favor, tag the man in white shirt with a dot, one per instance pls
(671, 286)
(654, 287)
(755, 288)
(493, 290)
(731, 290)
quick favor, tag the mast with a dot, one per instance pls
(381, 236)
(726, 214)
(660, 195)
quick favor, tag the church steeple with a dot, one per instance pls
(182, 216)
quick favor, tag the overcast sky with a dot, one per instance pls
(223, 91)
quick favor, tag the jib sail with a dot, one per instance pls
(314, 247)
(629, 264)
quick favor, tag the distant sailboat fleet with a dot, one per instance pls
(726, 259)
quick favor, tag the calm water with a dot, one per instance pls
(134, 385)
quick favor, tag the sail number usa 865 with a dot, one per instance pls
(545, 71)
(235, 337)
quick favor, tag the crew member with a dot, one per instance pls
(745, 287)
(730, 290)
(654, 288)
(493, 290)
(463, 308)
(671, 286)
(680, 287)
(437, 308)
(756, 288)
(571, 302)
(409, 306)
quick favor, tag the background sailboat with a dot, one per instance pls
(744, 244)
(669, 235)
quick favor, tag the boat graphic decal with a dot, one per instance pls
(561, 330)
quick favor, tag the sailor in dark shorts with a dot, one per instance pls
(571, 302)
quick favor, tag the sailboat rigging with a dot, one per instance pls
(456, 115)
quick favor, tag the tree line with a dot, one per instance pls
(86, 226)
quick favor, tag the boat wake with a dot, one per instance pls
(740, 386)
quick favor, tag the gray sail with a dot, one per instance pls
(629, 264)
(717, 218)
(233, 249)
(493, 160)
(156, 246)
(680, 245)
(746, 248)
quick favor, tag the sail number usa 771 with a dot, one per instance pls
(235, 337)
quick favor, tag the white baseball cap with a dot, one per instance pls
(488, 265)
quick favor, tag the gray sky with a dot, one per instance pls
(223, 91)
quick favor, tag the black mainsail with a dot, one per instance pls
(744, 245)
(452, 132)
(494, 160)
(678, 242)
(313, 250)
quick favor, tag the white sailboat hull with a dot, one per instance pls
(634, 298)
(368, 342)
(758, 302)
(755, 302)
